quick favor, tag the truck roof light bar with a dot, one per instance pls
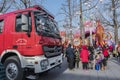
(44, 9)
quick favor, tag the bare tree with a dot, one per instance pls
(20, 4)
(111, 15)
(5, 5)
(86, 6)
(68, 10)
(74, 7)
(8, 5)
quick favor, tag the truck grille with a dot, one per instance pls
(51, 51)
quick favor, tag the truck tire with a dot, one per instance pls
(13, 68)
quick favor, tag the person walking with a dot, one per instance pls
(84, 53)
(91, 60)
(70, 57)
(106, 55)
(77, 59)
(99, 58)
(91, 57)
(118, 50)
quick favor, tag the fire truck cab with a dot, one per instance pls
(29, 40)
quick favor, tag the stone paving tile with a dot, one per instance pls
(112, 72)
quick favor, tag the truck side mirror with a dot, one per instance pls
(25, 22)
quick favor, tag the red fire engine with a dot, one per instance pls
(29, 40)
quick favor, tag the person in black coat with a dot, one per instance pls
(70, 56)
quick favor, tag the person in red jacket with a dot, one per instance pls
(106, 55)
(105, 52)
(111, 48)
(84, 57)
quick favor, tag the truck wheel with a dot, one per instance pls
(13, 68)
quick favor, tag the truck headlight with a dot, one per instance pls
(44, 64)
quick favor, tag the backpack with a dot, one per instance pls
(97, 66)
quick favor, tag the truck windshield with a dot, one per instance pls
(45, 24)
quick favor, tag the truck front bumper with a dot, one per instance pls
(41, 63)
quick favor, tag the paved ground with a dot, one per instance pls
(111, 73)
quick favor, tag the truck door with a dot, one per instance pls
(24, 39)
(28, 34)
(1, 35)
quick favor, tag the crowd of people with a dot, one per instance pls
(90, 57)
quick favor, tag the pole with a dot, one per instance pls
(91, 43)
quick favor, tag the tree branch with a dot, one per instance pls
(92, 6)
(3, 5)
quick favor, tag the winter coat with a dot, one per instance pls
(105, 52)
(77, 59)
(111, 48)
(84, 54)
(99, 57)
(91, 57)
(70, 52)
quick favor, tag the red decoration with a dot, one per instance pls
(62, 33)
